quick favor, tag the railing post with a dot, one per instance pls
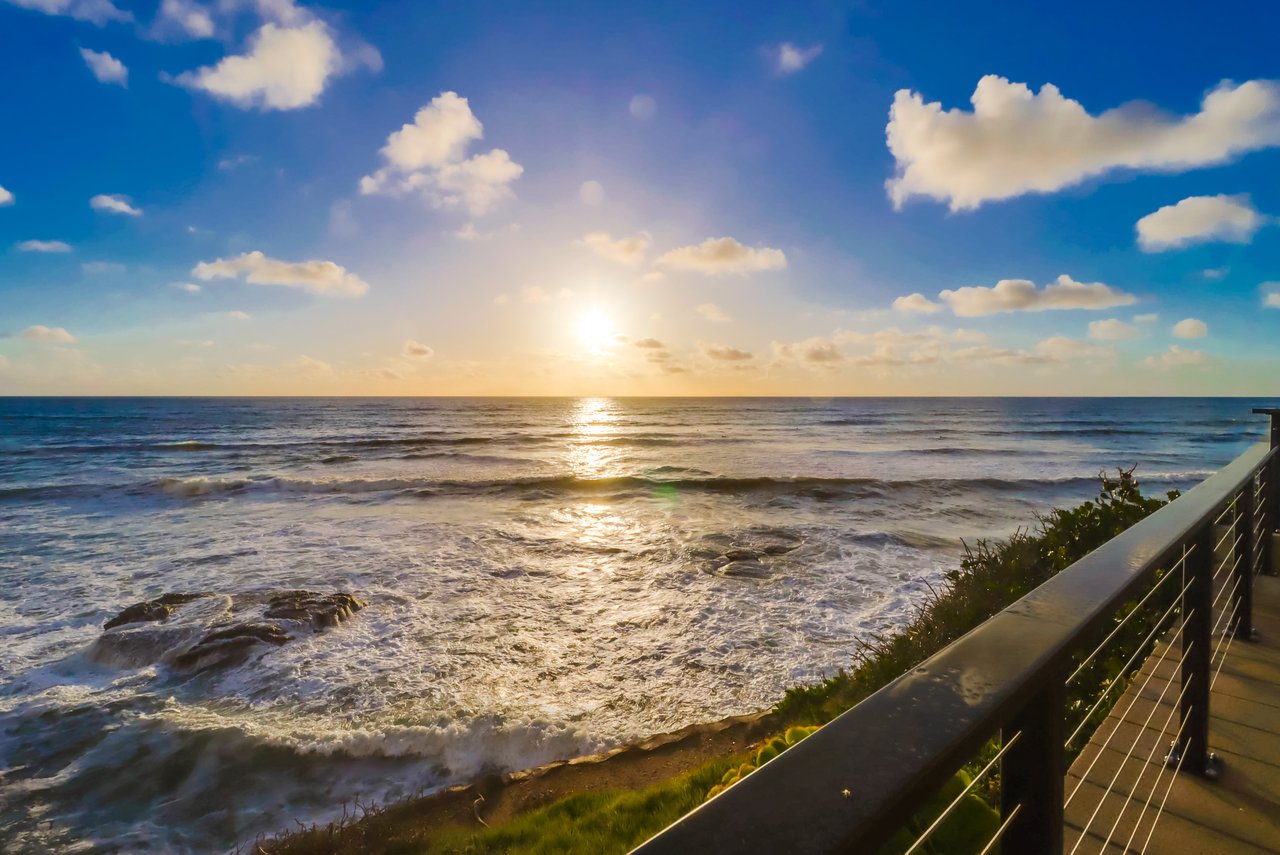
(1192, 749)
(1242, 628)
(1271, 495)
(1032, 771)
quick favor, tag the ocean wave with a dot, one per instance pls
(802, 486)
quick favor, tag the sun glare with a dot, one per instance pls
(595, 328)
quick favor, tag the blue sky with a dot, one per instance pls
(407, 198)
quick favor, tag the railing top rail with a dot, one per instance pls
(859, 779)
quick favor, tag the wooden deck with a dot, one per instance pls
(1118, 798)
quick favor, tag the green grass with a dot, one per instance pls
(596, 822)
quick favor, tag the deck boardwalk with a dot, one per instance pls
(1120, 781)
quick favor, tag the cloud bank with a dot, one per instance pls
(1016, 141)
(324, 278)
(1022, 295)
(717, 256)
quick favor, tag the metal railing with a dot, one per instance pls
(1187, 570)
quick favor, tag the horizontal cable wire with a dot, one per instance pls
(1226, 510)
(1223, 613)
(1230, 637)
(1182, 755)
(1163, 767)
(976, 778)
(1124, 715)
(1234, 551)
(1129, 753)
(1223, 589)
(1147, 764)
(1000, 831)
(1119, 626)
(1230, 530)
(1125, 670)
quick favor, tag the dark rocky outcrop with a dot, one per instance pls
(158, 609)
(320, 610)
(197, 632)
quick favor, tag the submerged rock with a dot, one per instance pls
(745, 569)
(229, 646)
(197, 632)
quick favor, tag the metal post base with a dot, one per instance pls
(1212, 770)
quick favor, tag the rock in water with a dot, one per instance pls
(158, 609)
(196, 632)
(229, 646)
(321, 610)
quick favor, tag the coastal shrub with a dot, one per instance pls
(991, 576)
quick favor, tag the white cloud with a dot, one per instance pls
(416, 350)
(725, 353)
(237, 315)
(114, 204)
(715, 256)
(628, 250)
(1112, 329)
(1191, 328)
(97, 12)
(315, 277)
(918, 303)
(819, 351)
(49, 335)
(1176, 356)
(105, 67)
(1200, 219)
(713, 313)
(102, 267)
(285, 68)
(1060, 348)
(429, 156)
(1022, 295)
(185, 17)
(1016, 141)
(1215, 273)
(44, 246)
(591, 193)
(235, 161)
(1149, 318)
(6, 198)
(642, 106)
(189, 287)
(788, 59)
(1271, 300)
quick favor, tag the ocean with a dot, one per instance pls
(544, 578)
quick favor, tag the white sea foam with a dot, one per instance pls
(521, 608)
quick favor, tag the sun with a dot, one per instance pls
(595, 329)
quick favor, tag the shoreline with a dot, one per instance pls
(497, 798)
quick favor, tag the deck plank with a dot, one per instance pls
(1239, 813)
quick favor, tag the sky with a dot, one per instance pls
(406, 198)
